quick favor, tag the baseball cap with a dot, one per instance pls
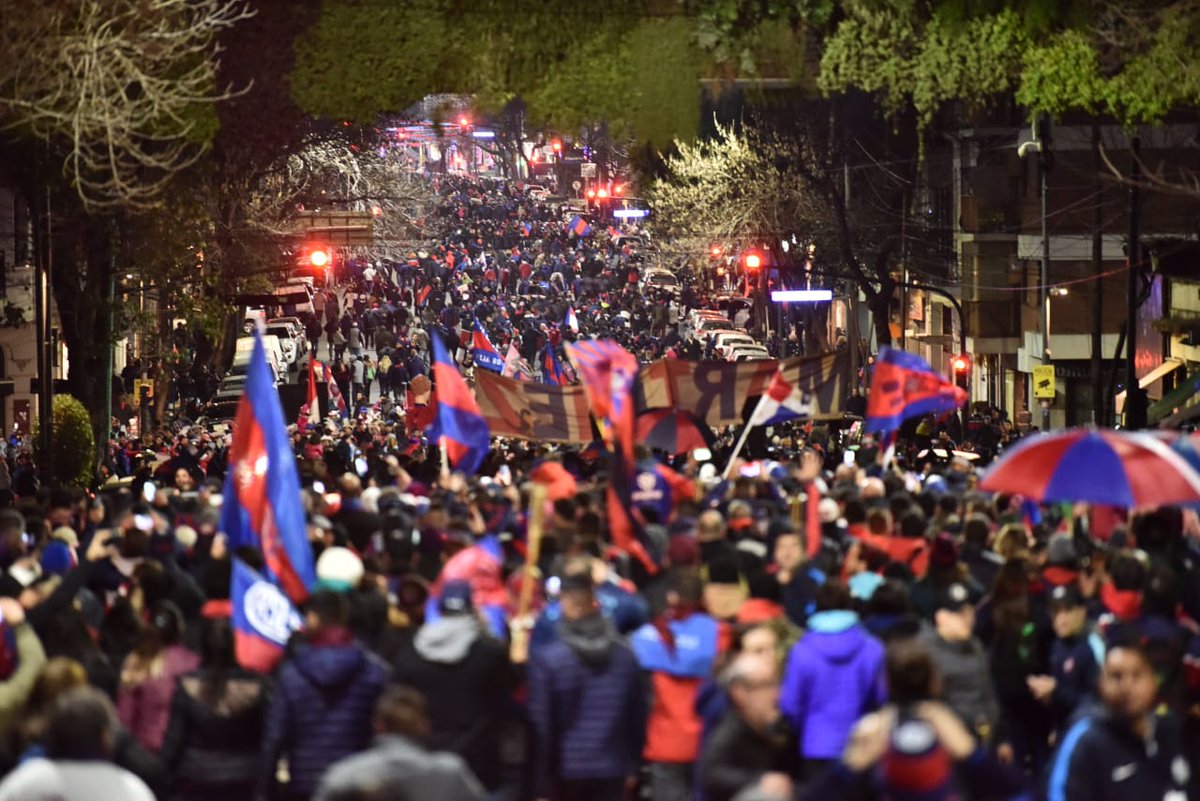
(456, 598)
(1066, 596)
(954, 598)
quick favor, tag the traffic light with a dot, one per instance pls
(753, 261)
(556, 146)
(619, 189)
(962, 370)
(602, 193)
(715, 251)
(318, 258)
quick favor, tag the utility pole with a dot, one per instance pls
(1044, 295)
(41, 287)
(1135, 396)
(1098, 400)
(106, 425)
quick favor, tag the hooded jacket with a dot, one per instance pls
(322, 708)
(587, 705)
(834, 676)
(966, 681)
(466, 678)
(1102, 759)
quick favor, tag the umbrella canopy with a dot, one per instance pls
(1113, 468)
(673, 431)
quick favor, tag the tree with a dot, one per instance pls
(123, 88)
(74, 446)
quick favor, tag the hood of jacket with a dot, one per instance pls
(328, 666)
(448, 639)
(592, 638)
(836, 635)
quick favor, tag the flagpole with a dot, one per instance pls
(737, 449)
(519, 649)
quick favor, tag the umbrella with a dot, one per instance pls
(1114, 468)
(673, 431)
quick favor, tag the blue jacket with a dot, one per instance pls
(587, 704)
(628, 613)
(1075, 664)
(321, 710)
(834, 676)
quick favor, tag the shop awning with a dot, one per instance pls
(1149, 378)
(1176, 399)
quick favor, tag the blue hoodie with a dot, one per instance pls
(834, 676)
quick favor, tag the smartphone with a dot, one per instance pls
(848, 457)
(360, 465)
(149, 491)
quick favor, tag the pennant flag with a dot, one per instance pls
(608, 373)
(552, 369)
(263, 619)
(458, 423)
(262, 487)
(579, 226)
(484, 352)
(571, 322)
(310, 410)
(904, 385)
(781, 402)
(336, 401)
(515, 366)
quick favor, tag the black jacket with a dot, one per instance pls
(467, 680)
(735, 757)
(1101, 759)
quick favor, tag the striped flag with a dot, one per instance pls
(336, 401)
(459, 423)
(571, 321)
(552, 369)
(262, 487)
(263, 619)
(310, 410)
(483, 351)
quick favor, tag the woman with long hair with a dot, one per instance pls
(216, 727)
(148, 674)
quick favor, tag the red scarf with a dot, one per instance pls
(1125, 604)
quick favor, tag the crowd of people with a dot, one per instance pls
(814, 627)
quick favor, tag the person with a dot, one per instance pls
(751, 746)
(325, 695)
(678, 651)
(1076, 659)
(465, 676)
(25, 663)
(915, 747)
(218, 714)
(149, 673)
(1122, 749)
(397, 766)
(834, 676)
(962, 665)
(587, 705)
(79, 741)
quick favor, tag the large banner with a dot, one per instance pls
(533, 411)
(714, 391)
(717, 391)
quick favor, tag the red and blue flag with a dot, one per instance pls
(552, 368)
(336, 399)
(483, 351)
(263, 619)
(262, 486)
(903, 385)
(526, 228)
(579, 226)
(571, 321)
(459, 423)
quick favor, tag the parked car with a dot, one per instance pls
(727, 340)
(747, 353)
(298, 332)
(287, 341)
(662, 280)
(691, 322)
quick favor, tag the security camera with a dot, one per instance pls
(1026, 148)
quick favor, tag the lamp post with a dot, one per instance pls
(1040, 145)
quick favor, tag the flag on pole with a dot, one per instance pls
(459, 423)
(571, 322)
(903, 385)
(781, 402)
(336, 400)
(263, 619)
(310, 410)
(515, 366)
(552, 369)
(423, 294)
(262, 487)
(579, 226)
(608, 373)
(484, 351)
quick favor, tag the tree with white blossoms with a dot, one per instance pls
(124, 89)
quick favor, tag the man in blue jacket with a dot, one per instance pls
(587, 704)
(1123, 749)
(324, 698)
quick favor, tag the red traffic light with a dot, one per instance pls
(961, 364)
(556, 145)
(753, 261)
(619, 189)
(464, 122)
(591, 193)
(602, 193)
(318, 258)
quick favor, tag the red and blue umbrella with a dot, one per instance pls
(1100, 466)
